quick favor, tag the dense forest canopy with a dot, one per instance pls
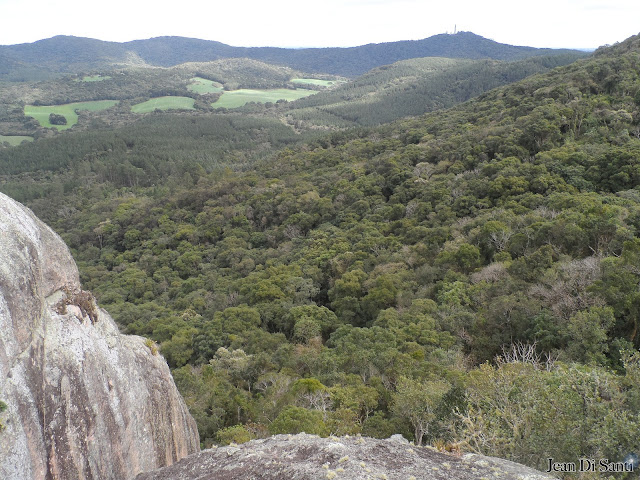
(468, 278)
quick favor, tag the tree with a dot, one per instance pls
(466, 258)
(309, 321)
(294, 419)
(378, 426)
(527, 412)
(346, 296)
(312, 394)
(305, 329)
(179, 349)
(357, 397)
(382, 294)
(234, 363)
(367, 352)
(55, 119)
(235, 434)
(238, 320)
(588, 334)
(417, 401)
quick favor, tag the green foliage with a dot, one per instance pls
(519, 411)
(3, 407)
(417, 401)
(237, 320)
(377, 426)
(55, 119)
(588, 335)
(294, 419)
(237, 434)
(151, 345)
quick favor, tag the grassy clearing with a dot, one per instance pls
(94, 78)
(164, 103)
(315, 81)
(15, 140)
(203, 86)
(41, 113)
(238, 98)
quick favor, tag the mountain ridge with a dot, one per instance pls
(67, 54)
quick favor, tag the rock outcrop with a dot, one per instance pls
(83, 401)
(308, 457)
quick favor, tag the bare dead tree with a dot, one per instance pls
(520, 352)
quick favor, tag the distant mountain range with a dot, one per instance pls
(67, 54)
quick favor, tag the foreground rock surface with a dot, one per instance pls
(308, 457)
(84, 401)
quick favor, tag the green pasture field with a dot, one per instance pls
(94, 78)
(238, 98)
(164, 103)
(41, 113)
(314, 81)
(203, 86)
(15, 140)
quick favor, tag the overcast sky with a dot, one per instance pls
(320, 23)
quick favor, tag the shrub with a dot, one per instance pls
(236, 434)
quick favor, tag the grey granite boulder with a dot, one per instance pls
(83, 401)
(308, 457)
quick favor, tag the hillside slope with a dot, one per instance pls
(414, 87)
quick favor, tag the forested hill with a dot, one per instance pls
(467, 278)
(413, 87)
(73, 54)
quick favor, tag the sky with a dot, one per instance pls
(324, 23)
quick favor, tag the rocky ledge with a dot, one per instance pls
(83, 401)
(308, 457)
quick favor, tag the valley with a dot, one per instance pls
(444, 248)
(111, 99)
